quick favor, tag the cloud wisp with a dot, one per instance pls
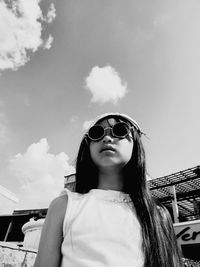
(105, 85)
(40, 174)
(21, 26)
(4, 133)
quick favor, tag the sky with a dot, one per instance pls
(62, 63)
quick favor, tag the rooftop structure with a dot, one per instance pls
(187, 192)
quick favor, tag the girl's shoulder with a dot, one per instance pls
(58, 206)
(70, 195)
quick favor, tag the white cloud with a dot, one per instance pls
(105, 85)
(51, 13)
(48, 43)
(21, 25)
(40, 173)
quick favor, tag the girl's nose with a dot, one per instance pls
(107, 138)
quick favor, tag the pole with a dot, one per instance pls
(174, 204)
(8, 231)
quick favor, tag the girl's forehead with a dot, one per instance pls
(108, 122)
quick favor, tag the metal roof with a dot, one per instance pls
(187, 186)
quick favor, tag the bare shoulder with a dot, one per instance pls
(57, 207)
(58, 203)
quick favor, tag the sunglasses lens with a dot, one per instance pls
(120, 129)
(96, 132)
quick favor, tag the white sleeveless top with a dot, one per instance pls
(101, 229)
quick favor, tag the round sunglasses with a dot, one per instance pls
(119, 130)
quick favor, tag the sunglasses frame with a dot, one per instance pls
(111, 128)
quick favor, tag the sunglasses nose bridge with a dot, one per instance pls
(108, 131)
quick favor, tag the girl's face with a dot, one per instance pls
(111, 151)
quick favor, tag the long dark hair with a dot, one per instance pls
(159, 242)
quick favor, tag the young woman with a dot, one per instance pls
(112, 219)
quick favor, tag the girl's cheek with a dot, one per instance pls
(92, 151)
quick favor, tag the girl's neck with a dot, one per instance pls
(110, 181)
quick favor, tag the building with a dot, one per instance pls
(8, 201)
(11, 225)
(180, 193)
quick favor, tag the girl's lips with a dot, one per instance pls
(107, 148)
